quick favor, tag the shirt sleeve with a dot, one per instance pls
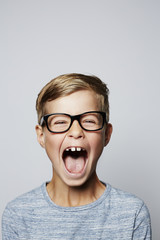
(142, 226)
(9, 225)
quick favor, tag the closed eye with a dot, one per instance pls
(89, 121)
(60, 122)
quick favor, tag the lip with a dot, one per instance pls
(78, 174)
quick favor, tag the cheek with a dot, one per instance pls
(97, 144)
(52, 145)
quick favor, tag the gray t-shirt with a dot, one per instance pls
(115, 215)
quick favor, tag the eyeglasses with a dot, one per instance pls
(61, 122)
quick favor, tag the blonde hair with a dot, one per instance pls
(66, 84)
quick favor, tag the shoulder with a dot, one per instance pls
(121, 197)
(24, 203)
(127, 203)
(20, 211)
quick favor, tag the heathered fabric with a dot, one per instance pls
(115, 215)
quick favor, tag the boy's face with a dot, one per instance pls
(74, 154)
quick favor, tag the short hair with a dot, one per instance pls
(66, 84)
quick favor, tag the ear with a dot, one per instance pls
(40, 135)
(108, 133)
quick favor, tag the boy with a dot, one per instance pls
(73, 127)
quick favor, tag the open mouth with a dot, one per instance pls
(75, 159)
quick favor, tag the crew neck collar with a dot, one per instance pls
(78, 208)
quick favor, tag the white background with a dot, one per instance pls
(119, 41)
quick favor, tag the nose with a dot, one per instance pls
(75, 130)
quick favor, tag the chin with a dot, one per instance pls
(75, 183)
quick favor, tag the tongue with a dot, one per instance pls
(74, 165)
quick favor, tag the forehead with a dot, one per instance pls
(74, 103)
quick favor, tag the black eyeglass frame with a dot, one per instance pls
(73, 117)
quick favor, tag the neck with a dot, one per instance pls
(66, 196)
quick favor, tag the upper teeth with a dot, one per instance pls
(73, 149)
